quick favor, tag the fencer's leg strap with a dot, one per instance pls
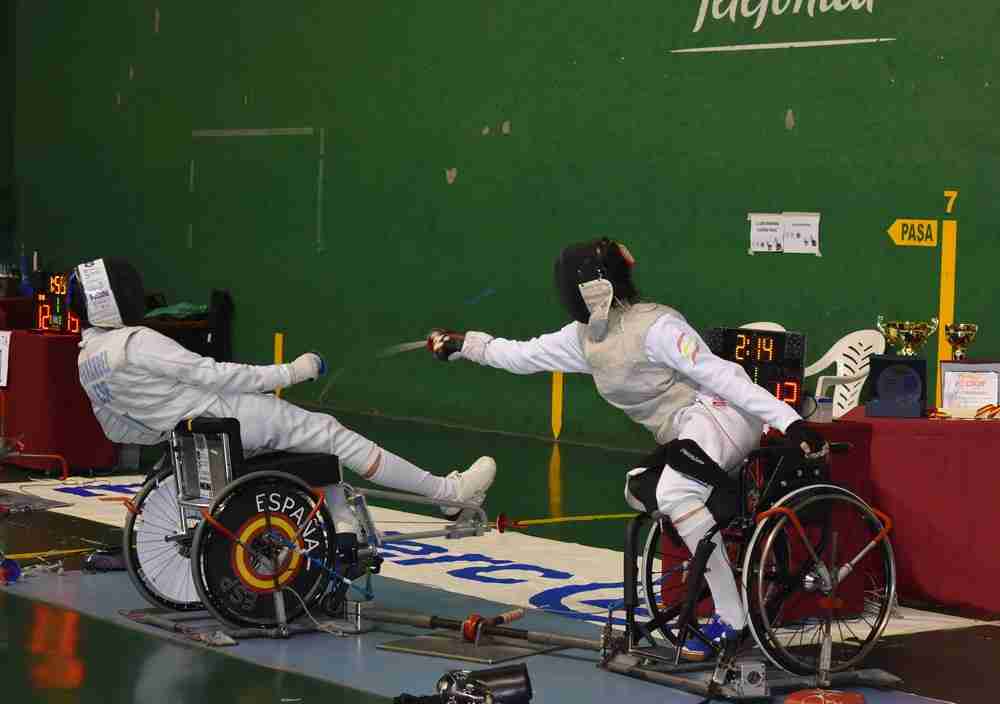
(689, 459)
(686, 457)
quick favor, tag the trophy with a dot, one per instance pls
(899, 381)
(906, 335)
(960, 336)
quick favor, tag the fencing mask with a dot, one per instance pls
(590, 277)
(107, 293)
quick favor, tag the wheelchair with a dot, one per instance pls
(235, 536)
(812, 561)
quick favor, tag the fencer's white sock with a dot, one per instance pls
(718, 572)
(396, 473)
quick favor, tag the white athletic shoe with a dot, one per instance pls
(472, 483)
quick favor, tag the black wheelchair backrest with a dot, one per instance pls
(786, 472)
(209, 454)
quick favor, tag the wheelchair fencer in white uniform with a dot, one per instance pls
(647, 361)
(142, 385)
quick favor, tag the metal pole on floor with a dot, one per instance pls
(432, 622)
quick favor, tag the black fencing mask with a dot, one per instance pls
(111, 291)
(589, 261)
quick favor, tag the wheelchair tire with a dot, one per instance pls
(239, 581)
(786, 609)
(160, 570)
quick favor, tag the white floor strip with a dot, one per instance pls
(578, 581)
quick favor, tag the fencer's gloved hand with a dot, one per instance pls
(445, 345)
(812, 444)
(307, 367)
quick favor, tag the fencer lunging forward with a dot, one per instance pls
(646, 360)
(141, 384)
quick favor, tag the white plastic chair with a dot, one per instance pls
(764, 325)
(851, 354)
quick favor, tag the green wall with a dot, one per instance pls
(349, 237)
(7, 190)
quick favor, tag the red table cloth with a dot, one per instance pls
(45, 406)
(16, 313)
(939, 482)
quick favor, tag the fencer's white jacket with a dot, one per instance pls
(141, 384)
(651, 364)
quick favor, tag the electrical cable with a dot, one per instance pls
(319, 626)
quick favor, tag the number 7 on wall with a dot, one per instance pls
(951, 196)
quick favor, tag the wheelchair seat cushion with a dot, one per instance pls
(315, 469)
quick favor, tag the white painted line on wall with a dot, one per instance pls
(265, 132)
(319, 190)
(190, 232)
(783, 45)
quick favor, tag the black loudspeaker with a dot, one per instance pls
(898, 386)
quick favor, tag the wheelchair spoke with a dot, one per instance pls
(159, 528)
(163, 566)
(159, 568)
(792, 597)
(151, 553)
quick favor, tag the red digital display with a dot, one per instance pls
(772, 359)
(52, 312)
(789, 391)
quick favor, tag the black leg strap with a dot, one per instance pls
(686, 457)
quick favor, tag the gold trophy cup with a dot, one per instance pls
(960, 336)
(908, 336)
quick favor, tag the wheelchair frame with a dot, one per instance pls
(204, 454)
(202, 466)
(731, 675)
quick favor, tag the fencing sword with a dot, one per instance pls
(393, 350)
(390, 351)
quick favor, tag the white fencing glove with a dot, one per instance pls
(307, 367)
(448, 345)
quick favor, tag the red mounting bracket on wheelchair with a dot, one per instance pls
(793, 517)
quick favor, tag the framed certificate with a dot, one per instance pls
(968, 386)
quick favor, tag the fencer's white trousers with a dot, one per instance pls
(727, 436)
(269, 424)
(723, 433)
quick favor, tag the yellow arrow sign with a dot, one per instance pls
(914, 233)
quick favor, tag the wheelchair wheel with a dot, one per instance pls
(243, 561)
(156, 549)
(663, 571)
(786, 601)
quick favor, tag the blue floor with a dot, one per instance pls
(354, 661)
